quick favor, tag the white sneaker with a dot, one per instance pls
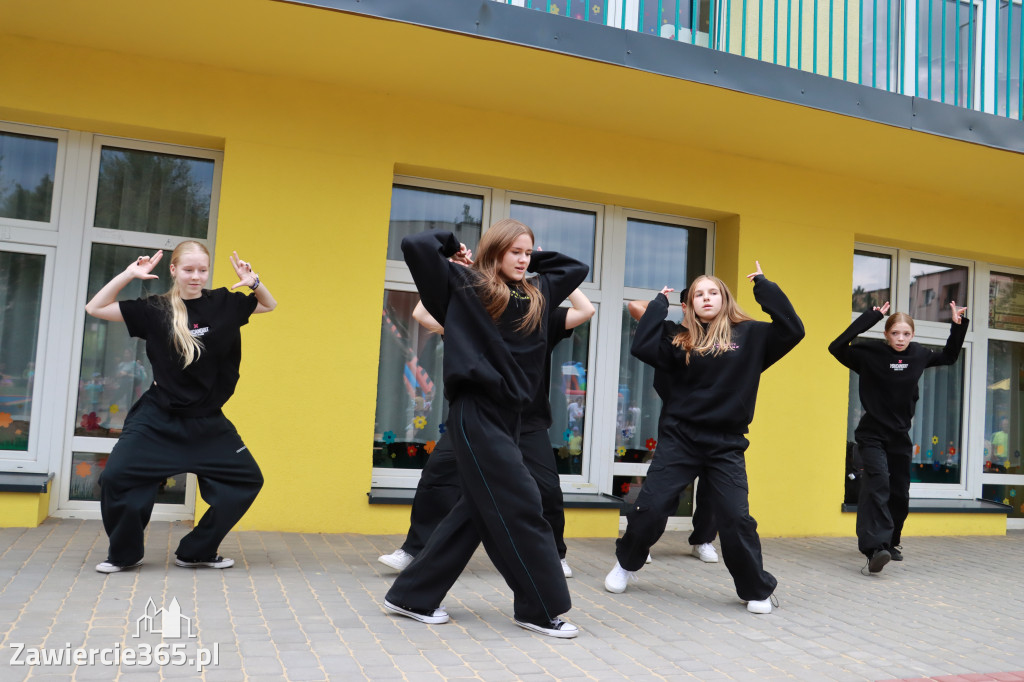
(618, 578)
(107, 567)
(554, 628)
(649, 559)
(565, 569)
(759, 605)
(705, 553)
(436, 616)
(398, 560)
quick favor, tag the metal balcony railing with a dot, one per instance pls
(969, 53)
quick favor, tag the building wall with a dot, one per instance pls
(305, 196)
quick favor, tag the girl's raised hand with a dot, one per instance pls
(246, 277)
(666, 291)
(464, 256)
(143, 266)
(884, 309)
(958, 313)
(752, 275)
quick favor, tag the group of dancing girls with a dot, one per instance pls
(491, 479)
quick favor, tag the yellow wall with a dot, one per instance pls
(23, 510)
(305, 196)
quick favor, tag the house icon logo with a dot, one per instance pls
(166, 622)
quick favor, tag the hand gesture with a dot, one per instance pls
(666, 291)
(958, 313)
(752, 275)
(464, 256)
(884, 309)
(143, 266)
(246, 277)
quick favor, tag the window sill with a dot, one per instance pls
(571, 500)
(977, 506)
(17, 482)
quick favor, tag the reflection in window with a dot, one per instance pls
(933, 286)
(880, 44)
(410, 387)
(937, 429)
(674, 20)
(149, 192)
(1004, 408)
(1006, 302)
(564, 230)
(28, 166)
(1008, 66)
(628, 488)
(415, 209)
(946, 52)
(872, 280)
(1010, 495)
(21, 292)
(115, 370)
(659, 255)
(568, 398)
(86, 468)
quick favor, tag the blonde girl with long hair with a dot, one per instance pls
(193, 343)
(713, 366)
(496, 324)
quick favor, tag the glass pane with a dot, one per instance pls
(115, 370)
(1011, 495)
(1008, 65)
(628, 488)
(415, 209)
(933, 286)
(673, 20)
(585, 10)
(880, 44)
(872, 279)
(28, 166)
(946, 34)
(659, 255)
(1004, 408)
(410, 387)
(145, 191)
(1006, 302)
(568, 398)
(86, 468)
(560, 229)
(21, 295)
(937, 429)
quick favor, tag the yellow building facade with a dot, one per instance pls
(309, 117)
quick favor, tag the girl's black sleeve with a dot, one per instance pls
(786, 328)
(841, 349)
(949, 354)
(649, 342)
(427, 254)
(563, 274)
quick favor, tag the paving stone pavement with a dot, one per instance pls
(307, 606)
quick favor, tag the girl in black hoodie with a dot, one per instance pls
(496, 334)
(715, 362)
(889, 371)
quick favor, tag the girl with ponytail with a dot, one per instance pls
(193, 343)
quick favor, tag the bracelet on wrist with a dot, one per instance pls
(255, 285)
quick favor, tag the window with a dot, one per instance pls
(28, 166)
(872, 280)
(1006, 302)
(565, 230)
(21, 304)
(927, 280)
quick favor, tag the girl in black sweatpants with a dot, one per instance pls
(715, 364)
(495, 340)
(194, 344)
(889, 371)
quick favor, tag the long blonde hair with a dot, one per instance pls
(493, 289)
(188, 346)
(717, 338)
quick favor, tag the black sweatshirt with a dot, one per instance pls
(537, 415)
(488, 358)
(888, 378)
(718, 392)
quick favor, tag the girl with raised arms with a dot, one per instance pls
(496, 326)
(714, 363)
(194, 344)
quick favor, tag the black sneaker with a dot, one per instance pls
(878, 560)
(896, 554)
(213, 562)
(108, 567)
(429, 616)
(556, 627)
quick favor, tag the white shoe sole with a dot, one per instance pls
(109, 568)
(439, 617)
(567, 632)
(390, 562)
(759, 607)
(225, 563)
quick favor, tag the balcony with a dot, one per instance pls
(968, 53)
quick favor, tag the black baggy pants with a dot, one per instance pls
(704, 527)
(156, 444)
(884, 499)
(438, 490)
(684, 452)
(500, 506)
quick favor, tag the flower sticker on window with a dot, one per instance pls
(90, 422)
(5, 420)
(651, 444)
(567, 434)
(935, 440)
(411, 450)
(83, 469)
(620, 451)
(419, 422)
(625, 488)
(429, 447)
(114, 409)
(441, 428)
(388, 437)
